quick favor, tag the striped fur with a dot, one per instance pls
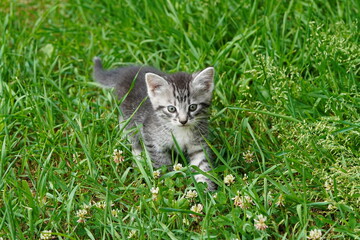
(172, 108)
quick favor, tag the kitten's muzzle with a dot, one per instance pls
(183, 122)
(183, 118)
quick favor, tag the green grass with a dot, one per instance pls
(287, 97)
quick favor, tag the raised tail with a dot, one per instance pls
(101, 76)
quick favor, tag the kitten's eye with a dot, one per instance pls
(192, 107)
(171, 109)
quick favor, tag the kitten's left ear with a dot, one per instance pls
(204, 80)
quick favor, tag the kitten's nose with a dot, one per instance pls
(183, 122)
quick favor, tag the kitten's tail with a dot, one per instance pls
(100, 75)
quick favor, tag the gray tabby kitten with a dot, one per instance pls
(175, 107)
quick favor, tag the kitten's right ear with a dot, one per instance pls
(155, 84)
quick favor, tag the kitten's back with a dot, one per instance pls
(128, 81)
(122, 76)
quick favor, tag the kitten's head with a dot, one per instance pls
(181, 99)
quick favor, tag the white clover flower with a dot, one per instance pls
(245, 178)
(132, 234)
(229, 179)
(280, 201)
(46, 234)
(81, 220)
(242, 202)
(315, 234)
(155, 192)
(248, 199)
(238, 201)
(156, 174)
(87, 206)
(186, 221)
(81, 213)
(260, 222)
(248, 156)
(329, 185)
(101, 204)
(332, 207)
(117, 156)
(178, 167)
(197, 208)
(191, 194)
(115, 212)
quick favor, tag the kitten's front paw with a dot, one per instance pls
(211, 185)
(136, 152)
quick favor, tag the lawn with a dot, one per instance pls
(285, 120)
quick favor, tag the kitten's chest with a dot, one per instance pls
(183, 137)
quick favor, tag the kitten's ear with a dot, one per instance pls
(155, 84)
(204, 80)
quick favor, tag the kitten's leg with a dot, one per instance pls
(159, 157)
(136, 147)
(197, 158)
(135, 141)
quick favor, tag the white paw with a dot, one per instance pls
(202, 178)
(136, 152)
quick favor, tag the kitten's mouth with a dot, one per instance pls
(184, 125)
